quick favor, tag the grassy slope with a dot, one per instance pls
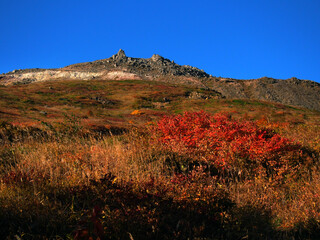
(115, 100)
(50, 183)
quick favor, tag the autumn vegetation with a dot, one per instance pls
(129, 169)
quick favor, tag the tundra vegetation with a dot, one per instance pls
(148, 160)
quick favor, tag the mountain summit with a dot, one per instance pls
(119, 56)
(147, 68)
(292, 91)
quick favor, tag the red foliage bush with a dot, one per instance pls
(229, 145)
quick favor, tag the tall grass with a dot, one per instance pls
(71, 185)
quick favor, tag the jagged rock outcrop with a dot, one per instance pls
(120, 56)
(153, 67)
(292, 91)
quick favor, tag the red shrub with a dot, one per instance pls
(227, 144)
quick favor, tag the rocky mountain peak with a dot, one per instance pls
(119, 56)
(156, 58)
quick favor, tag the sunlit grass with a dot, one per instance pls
(81, 167)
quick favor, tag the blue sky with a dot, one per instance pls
(242, 39)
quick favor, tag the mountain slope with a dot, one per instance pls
(292, 91)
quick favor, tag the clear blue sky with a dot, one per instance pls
(241, 39)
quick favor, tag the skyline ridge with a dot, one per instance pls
(122, 54)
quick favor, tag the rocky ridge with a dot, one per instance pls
(156, 66)
(295, 92)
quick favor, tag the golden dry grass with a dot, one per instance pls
(54, 173)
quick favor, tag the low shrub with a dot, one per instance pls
(231, 147)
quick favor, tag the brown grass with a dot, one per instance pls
(53, 174)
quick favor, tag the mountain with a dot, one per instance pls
(293, 91)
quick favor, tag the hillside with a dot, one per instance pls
(135, 155)
(294, 92)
